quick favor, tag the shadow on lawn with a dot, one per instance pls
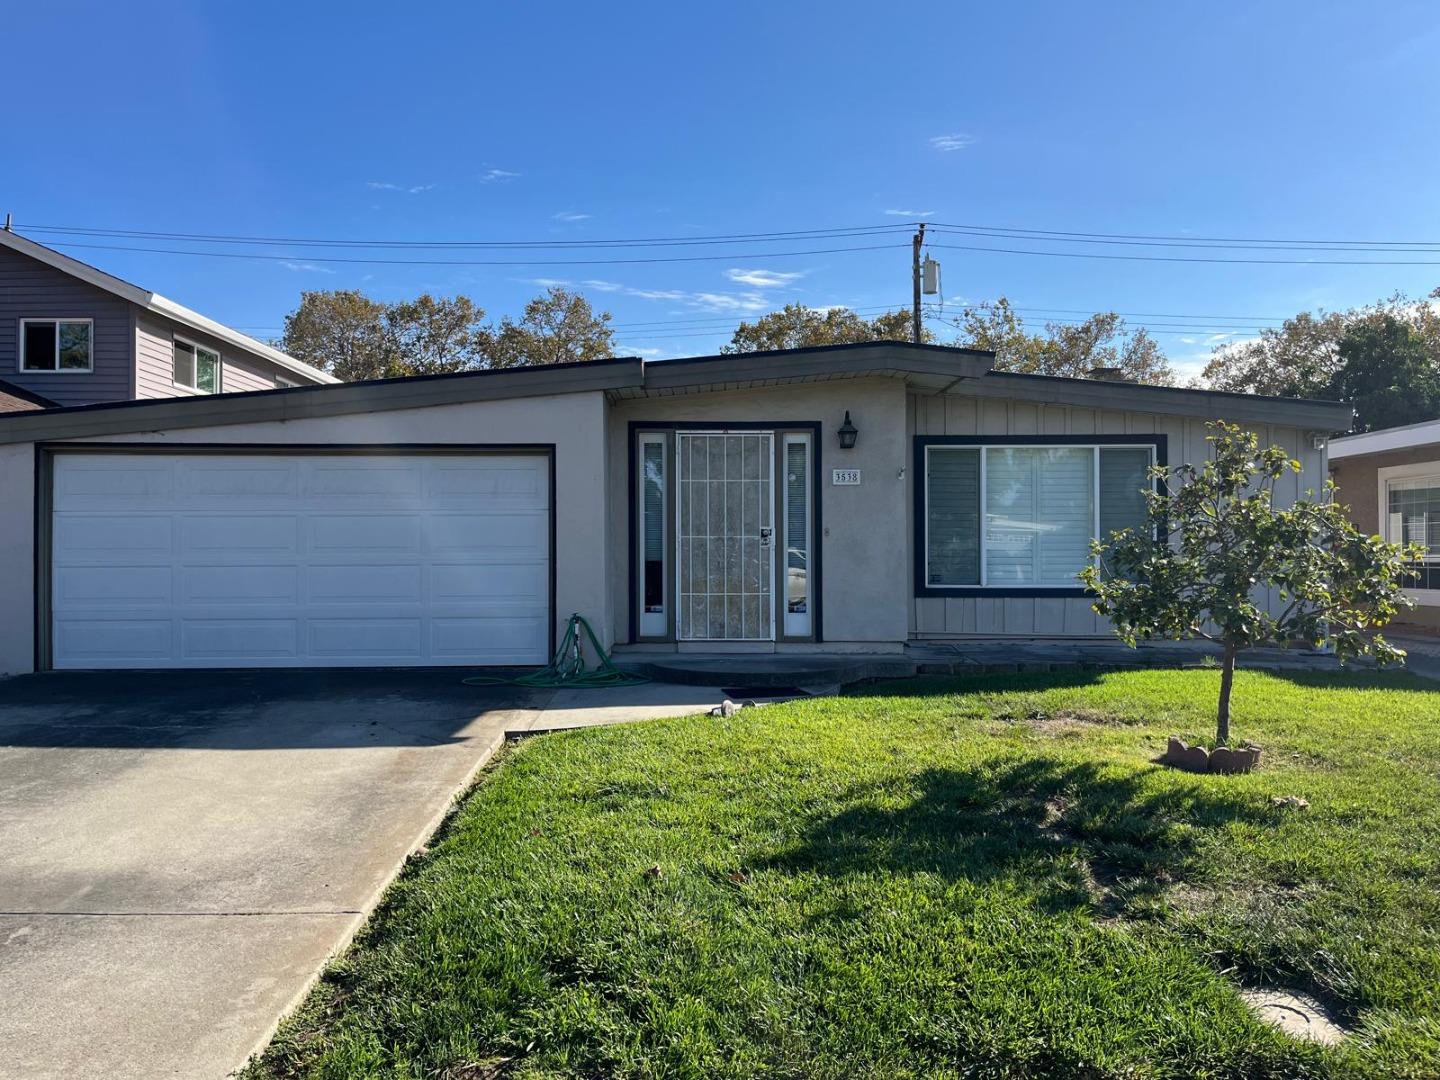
(1073, 834)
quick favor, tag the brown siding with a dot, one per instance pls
(155, 337)
(1358, 482)
(32, 290)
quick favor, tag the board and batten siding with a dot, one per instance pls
(960, 413)
(154, 361)
(32, 290)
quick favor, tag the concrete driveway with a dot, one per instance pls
(180, 852)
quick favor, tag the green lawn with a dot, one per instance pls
(936, 878)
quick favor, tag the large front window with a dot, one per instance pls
(1413, 517)
(1022, 517)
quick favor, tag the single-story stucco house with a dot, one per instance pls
(1390, 480)
(847, 498)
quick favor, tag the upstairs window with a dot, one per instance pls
(196, 367)
(56, 345)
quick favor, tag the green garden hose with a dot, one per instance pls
(568, 667)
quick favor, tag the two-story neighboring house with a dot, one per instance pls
(74, 335)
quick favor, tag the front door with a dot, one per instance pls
(725, 536)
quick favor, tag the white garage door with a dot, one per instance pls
(298, 560)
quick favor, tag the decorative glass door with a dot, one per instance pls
(725, 536)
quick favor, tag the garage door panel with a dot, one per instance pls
(456, 482)
(138, 485)
(364, 534)
(102, 586)
(370, 483)
(233, 584)
(84, 538)
(362, 583)
(495, 535)
(367, 638)
(212, 560)
(465, 583)
(236, 640)
(96, 642)
(239, 535)
(226, 481)
(508, 639)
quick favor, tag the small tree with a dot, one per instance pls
(1221, 561)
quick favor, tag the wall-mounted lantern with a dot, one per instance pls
(848, 433)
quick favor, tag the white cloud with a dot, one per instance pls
(547, 282)
(491, 176)
(570, 215)
(636, 350)
(307, 268)
(763, 279)
(603, 286)
(910, 213)
(408, 189)
(947, 143)
(723, 303)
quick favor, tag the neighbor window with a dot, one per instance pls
(1413, 517)
(56, 345)
(1023, 516)
(196, 367)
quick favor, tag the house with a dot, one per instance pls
(1390, 479)
(847, 498)
(74, 335)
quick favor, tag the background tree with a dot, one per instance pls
(1216, 542)
(1387, 373)
(1102, 340)
(1301, 357)
(796, 326)
(354, 337)
(434, 335)
(342, 332)
(557, 328)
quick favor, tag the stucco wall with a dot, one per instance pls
(864, 575)
(573, 422)
(17, 540)
(963, 413)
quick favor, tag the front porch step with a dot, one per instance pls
(767, 669)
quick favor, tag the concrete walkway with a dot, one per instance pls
(182, 852)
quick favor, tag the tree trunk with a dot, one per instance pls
(1227, 682)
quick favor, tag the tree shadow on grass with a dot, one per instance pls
(1074, 835)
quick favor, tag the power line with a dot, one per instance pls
(1046, 233)
(306, 258)
(1192, 259)
(659, 241)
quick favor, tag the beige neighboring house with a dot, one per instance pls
(1390, 479)
(74, 335)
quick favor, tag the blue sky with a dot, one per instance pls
(567, 121)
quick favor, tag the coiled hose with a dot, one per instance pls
(568, 667)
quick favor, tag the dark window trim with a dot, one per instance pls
(636, 427)
(45, 454)
(921, 587)
(25, 320)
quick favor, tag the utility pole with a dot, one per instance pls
(915, 274)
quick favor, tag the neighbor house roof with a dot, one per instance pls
(925, 368)
(158, 304)
(17, 399)
(1395, 438)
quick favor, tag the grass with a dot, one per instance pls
(935, 878)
